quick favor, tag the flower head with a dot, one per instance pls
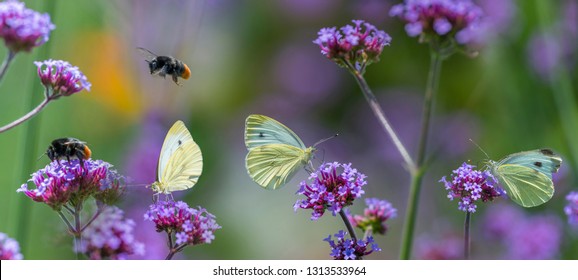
(470, 186)
(61, 78)
(347, 249)
(22, 28)
(355, 45)
(452, 19)
(61, 182)
(110, 236)
(331, 189)
(9, 248)
(190, 225)
(571, 208)
(374, 216)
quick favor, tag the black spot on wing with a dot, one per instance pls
(538, 164)
(180, 142)
(547, 152)
(261, 134)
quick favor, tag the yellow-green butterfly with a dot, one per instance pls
(527, 176)
(275, 152)
(180, 162)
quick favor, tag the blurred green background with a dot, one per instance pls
(258, 57)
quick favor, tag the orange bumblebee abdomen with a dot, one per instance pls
(87, 152)
(186, 72)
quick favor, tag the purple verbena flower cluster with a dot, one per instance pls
(353, 46)
(457, 19)
(524, 236)
(571, 209)
(110, 236)
(374, 216)
(22, 28)
(331, 189)
(62, 182)
(9, 248)
(190, 226)
(61, 78)
(347, 249)
(470, 186)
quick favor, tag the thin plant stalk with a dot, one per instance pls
(29, 140)
(467, 236)
(380, 115)
(4, 67)
(26, 117)
(417, 175)
(348, 224)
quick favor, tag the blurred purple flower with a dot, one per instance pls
(499, 17)
(141, 160)
(534, 238)
(348, 249)
(524, 237)
(470, 186)
(330, 189)
(305, 81)
(353, 46)
(453, 19)
(9, 248)
(110, 236)
(371, 9)
(22, 28)
(499, 220)
(190, 226)
(555, 46)
(374, 216)
(61, 78)
(63, 181)
(448, 247)
(571, 208)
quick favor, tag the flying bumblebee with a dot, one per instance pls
(68, 148)
(166, 65)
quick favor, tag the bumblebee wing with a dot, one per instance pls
(146, 53)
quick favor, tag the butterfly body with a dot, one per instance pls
(275, 152)
(527, 176)
(180, 163)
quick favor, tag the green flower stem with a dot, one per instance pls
(467, 236)
(348, 224)
(4, 67)
(417, 175)
(562, 89)
(379, 114)
(65, 220)
(25, 117)
(29, 154)
(77, 229)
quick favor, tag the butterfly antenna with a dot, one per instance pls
(40, 156)
(479, 148)
(323, 140)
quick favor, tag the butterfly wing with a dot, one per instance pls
(262, 130)
(180, 162)
(272, 166)
(524, 185)
(542, 160)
